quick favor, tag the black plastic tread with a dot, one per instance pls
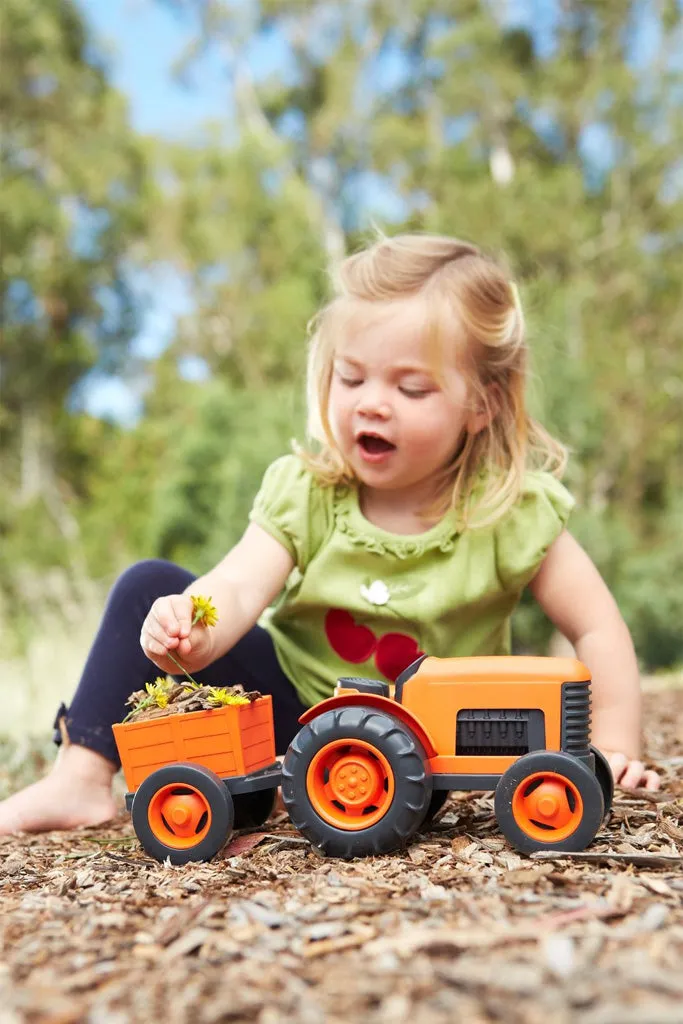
(412, 781)
(603, 774)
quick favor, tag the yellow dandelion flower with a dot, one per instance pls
(158, 691)
(203, 611)
(219, 696)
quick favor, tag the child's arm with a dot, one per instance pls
(241, 586)
(576, 599)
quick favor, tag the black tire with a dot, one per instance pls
(253, 809)
(525, 832)
(439, 798)
(160, 837)
(408, 766)
(603, 774)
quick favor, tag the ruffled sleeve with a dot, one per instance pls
(291, 507)
(525, 534)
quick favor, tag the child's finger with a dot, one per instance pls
(156, 631)
(152, 648)
(652, 780)
(631, 778)
(618, 763)
(182, 609)
(184, 648)
(163, 614)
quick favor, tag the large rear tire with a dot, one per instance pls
(356, 782)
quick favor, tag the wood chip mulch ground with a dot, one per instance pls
(456, 928)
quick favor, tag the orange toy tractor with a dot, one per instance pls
(367, 770)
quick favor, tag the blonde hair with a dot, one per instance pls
(470, 301)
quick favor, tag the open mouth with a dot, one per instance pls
(374, 445)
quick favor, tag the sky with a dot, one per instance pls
(143, 39)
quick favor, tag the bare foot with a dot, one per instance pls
(77, 791)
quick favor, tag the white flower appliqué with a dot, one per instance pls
(377, 593)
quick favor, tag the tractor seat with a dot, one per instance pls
(365, 685)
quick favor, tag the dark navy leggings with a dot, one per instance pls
(116, 664)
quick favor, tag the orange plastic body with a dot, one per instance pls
(232, 740)
(441, 687)
(347, 697)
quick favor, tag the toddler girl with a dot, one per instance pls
(426, 508)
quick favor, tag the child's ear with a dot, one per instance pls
(484, 410)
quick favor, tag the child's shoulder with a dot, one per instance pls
(290, 488)
(289, 475)
(542, 488)
(293, 506)
(526, 531)
(287, 481)
(287, 467)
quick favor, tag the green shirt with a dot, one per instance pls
(362, 601)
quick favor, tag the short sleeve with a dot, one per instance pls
(290, 508)
(525, 534)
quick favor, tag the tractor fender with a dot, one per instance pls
(371, 700)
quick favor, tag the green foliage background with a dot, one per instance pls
(565, 155)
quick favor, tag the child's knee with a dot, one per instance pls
(149, 578)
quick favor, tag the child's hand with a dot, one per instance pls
(168, 627)
(631, 774)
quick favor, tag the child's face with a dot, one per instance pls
(394, 422)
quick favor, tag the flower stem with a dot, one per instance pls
(142, 706)
(182, 668)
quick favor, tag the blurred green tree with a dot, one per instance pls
(72, 207)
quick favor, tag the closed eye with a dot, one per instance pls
(416, 392)
(349, 382)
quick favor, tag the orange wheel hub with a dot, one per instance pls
(547, 807)
(179, 816)
(350, 784)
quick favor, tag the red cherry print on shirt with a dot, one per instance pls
(395, 651)
(348, 639)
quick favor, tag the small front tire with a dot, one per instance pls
(549, 801)
(182, 812)
(603, 774)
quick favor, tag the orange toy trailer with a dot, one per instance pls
(367, 770)
(192, 778)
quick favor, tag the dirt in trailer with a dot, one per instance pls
(164, 698)
(456, 927)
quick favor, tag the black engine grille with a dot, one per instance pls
(498, 731)
(576, 718)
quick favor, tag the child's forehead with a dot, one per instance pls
(400, 329)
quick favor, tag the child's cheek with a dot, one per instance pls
(338, 418)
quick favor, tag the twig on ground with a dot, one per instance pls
(639, 859)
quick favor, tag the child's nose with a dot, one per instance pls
(374, 402)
